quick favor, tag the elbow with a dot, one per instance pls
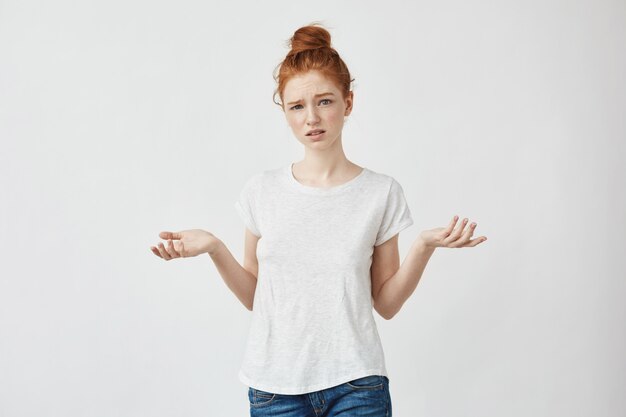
(387, 316)
(384, 314)
(391, 314)
(248, 303)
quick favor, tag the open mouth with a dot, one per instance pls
(315, 133)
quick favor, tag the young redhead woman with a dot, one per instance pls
(321, 253)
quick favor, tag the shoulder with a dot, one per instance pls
(384, 183)
(261, 177)
(263, 181)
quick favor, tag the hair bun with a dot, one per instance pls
(309, 37)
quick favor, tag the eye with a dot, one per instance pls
(324, 99)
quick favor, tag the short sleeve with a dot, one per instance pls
(397, 215)
(246, 205)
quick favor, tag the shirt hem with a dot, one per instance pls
(310, 388)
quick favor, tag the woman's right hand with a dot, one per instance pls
(185, 244)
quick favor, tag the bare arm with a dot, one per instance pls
(391, 293)
(193, 242)
(396, 287)
(240, 279)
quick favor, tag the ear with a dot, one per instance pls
(349, 103)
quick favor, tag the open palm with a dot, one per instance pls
(451, 237)
(184, 244)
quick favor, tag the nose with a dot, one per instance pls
(312, 118)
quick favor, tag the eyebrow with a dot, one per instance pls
(317, 95)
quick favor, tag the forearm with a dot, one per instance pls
(237, 278)
(397, 289)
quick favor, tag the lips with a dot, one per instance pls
(314, 132)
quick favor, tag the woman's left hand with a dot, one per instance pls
(449, 237)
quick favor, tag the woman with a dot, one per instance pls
(321, 251)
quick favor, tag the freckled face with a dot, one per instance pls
(313, 101)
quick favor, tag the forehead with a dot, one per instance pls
(309, 84)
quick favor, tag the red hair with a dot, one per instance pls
(311, 50)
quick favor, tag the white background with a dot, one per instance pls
(120, 119)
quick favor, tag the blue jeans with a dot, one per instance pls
(367, 396)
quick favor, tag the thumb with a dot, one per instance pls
(169, 235)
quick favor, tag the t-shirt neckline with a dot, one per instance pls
(322, 190)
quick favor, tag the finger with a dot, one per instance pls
(169, 235)
(155, 251)
(451, 241)
(171, 250)
(468, 234)
(451, 225)
(163, 252)
(476, 241)
(460, 234)
(448, 230)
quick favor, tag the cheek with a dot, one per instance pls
(335, 117)
(294, 120)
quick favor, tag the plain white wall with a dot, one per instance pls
(120, 119)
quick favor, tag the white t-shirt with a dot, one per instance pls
(312, 320)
